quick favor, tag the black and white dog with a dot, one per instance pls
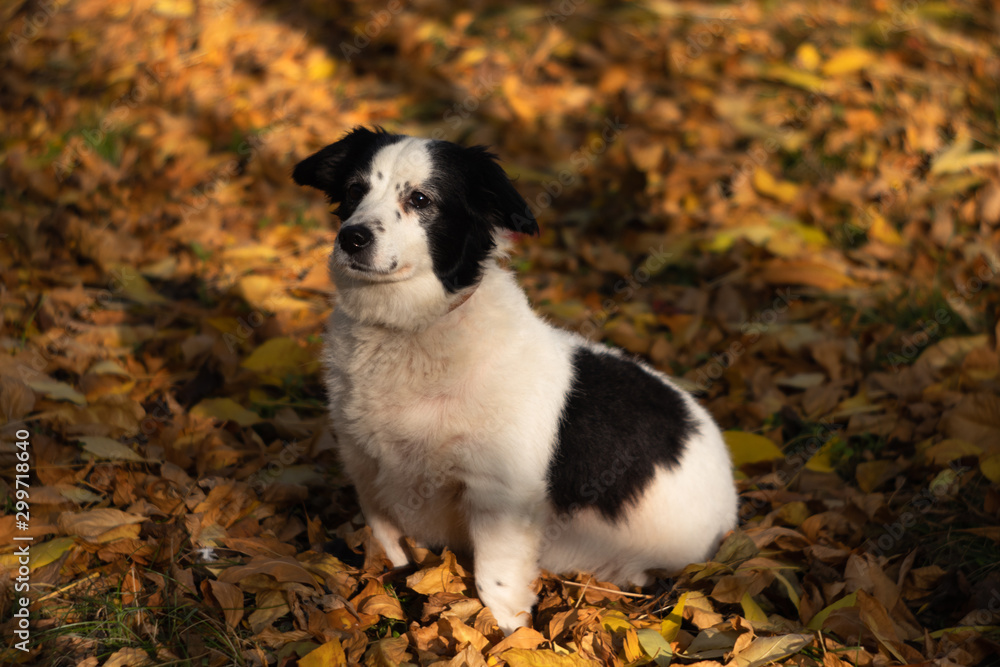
(466, 421)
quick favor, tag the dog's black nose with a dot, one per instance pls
(355, 238)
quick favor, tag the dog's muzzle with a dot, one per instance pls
(355, 238)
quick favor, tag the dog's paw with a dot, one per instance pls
(508, 621)
(510, 605)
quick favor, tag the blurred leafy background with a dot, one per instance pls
(792, 207)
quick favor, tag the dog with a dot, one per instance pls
(465, 420)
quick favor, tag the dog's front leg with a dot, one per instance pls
(505, 547)
(384, 530)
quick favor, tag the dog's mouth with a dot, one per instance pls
(393, 272)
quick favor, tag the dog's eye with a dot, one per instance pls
(420, 200)
(355, 191)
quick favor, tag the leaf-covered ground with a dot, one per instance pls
(793, 207)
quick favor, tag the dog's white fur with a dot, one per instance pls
(446, 408)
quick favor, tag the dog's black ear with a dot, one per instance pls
(326, 169)
(494, 196)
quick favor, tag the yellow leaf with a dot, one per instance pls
(329, 654)
(108, 367)
(804, 272)
(278, 356)
(520, 657)
(871, 474)
(960, 156)
(848, 60)
(442, 578)
(750, 448)
(881, 230)
(948, 450)
(106, 448)
(51, 551)
(268, 294)
(751, 610)
(794, 513)
(765, 650)
(133, 286)
(631, 646)
(816, 622)
(755, 234)
(821, 461)
(100, 525)
(226, 409)
(174, 9)
(250, 256)
(808, 56)
(764, 183)
(615, 621)
(57, 391)
(671, 625)
(789, 588)
(320, 67)
(990, 467)
(41, 554)
(795, 77)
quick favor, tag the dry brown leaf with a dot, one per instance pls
(101, 525)
(229, 598)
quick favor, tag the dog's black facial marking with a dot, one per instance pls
(329, 168)
(399, 216)
(618, 423)
(471, 198)
(379, 175)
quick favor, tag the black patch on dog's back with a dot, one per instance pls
(618, 424)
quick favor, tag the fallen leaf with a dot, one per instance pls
(101, 525)
(57, 391)
(226, 409)
(519, 657)
(106, 448)
(230, 600)
(765, 650)
(329, 654)
(747, 448)
(847, 61)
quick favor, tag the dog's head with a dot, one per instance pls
(420, 219)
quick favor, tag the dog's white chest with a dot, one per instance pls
(399, 401)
